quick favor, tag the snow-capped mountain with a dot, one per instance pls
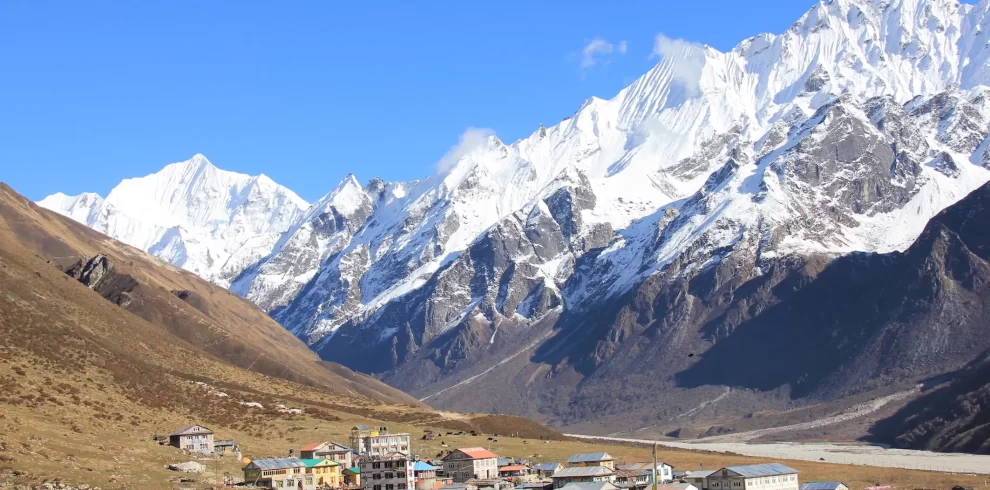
(746, 118)
(209, 221)
(846, 133)
(644, 226)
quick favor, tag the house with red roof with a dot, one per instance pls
(470, 463)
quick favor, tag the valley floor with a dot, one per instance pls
(849, 454)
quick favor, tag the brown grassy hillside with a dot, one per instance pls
(206, 316)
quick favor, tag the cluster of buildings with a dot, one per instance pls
(376, 459)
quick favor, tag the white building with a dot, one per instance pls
(767, 476)
(663, 471)
(365, 441)
(389, 472)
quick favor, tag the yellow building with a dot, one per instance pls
(352, 477)
(326, 473)
(287, 473)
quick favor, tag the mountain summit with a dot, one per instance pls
(209, 221)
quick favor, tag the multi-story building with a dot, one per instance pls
(378, 442)
(279, 473)
(334, 451)
(470, 463)
(388, 472)
(193, 438)
(767, 476)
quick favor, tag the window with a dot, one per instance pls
(377, 487)
(388, 464)
(390, 487)
(376, 465)
(401, 474)
(402, 486)
(389, 475)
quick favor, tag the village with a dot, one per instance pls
(376, 459)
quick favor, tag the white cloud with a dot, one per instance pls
(598, 49)
(470, 140)
(687, 60)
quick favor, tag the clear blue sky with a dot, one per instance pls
(306, 92)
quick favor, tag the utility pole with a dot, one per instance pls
(654, 465)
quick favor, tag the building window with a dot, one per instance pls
(390, 487)
(402, 486)
(377, 487)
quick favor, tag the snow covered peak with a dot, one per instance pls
(193, 214)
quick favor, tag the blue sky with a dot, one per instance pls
(306, 92)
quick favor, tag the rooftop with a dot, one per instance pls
(546, 466)
(631, 473)
(582, 471)
(313, 446)
(277, 463)
(765, 469)
(598, 485)
(476, 453)
(590, 457)
(318, 462)
(513, 467)
(191, 430)
(423, 466)
(821, 485)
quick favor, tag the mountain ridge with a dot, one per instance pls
(643, 217)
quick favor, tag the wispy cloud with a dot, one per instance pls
(687, 60)
(598, 50)
(470, 140)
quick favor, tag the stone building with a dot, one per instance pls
(193, 438)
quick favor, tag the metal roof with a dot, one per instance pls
(360, 427)
(421, 466)
(277, 463)
(310, 463)
(631, 473)
(546, 466)
(579, 471)
(225, 442)
(313, 446)
(676, 486)
(821, 485)
(590, 457)
(472, 453)
(598, 485)
(641, 466)
(699, 473)
(765, 469)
